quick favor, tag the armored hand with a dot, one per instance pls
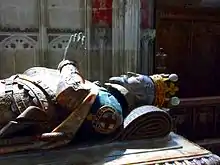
(74, 98)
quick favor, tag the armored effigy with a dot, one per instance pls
(51, 107)
(47, 108)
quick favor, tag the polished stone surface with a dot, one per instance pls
(169, 149)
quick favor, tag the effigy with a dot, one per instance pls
(45, 108)
(54, 106)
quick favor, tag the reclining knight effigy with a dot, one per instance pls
(46, 108)
(54, 107)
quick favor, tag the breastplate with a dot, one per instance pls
(35, 87)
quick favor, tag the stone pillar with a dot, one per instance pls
(88, 24)
(101, 24)
(132, 34)
(118, 42)
(102, 38)
(147, 51)
(43, 39)
(147, 36)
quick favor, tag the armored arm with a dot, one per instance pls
(69, 76)
(75, 97)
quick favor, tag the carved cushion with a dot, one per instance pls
(104, 119)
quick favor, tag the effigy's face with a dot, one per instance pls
(139, 85)
(151, 90)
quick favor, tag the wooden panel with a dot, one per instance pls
(174, 38)
(204, 122)
(183, 121)
(205, 58)
(190, 38)
(197, 118)
(197, 3)
(182, 13)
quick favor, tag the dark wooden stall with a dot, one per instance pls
(190, 36)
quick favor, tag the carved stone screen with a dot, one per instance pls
(19, 36)
(35, 33)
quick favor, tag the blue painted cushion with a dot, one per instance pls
(104, 119)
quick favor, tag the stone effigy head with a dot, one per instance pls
(139, 89)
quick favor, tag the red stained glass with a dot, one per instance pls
(102, 12)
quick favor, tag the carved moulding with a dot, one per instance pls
(60, 42)
(14, 51)
(19, 30)
(204, 14)
(15, 42)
